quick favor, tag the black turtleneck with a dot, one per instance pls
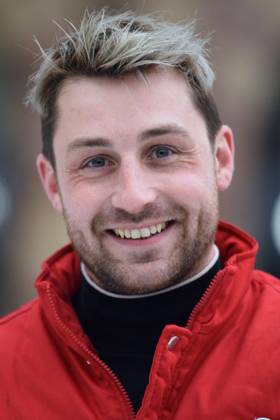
(125, 332)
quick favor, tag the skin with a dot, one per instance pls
(131, 154)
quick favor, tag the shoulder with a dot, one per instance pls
(264, 300)
(16, 324)
(266, 282)
(20, 336)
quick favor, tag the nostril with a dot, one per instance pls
(133, 198)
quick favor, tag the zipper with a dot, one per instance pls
(92, 355)
(192, 316)
(201, 302)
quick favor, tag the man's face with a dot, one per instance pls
(136, 179)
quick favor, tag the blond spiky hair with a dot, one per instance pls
(115, 44)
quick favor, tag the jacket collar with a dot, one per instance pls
(61, 277)
(62, 269)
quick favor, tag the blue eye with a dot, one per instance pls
(162, 152)
(97, 162)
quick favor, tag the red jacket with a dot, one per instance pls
(224, 365)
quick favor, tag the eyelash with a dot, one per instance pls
(87, 163)
(170, 150)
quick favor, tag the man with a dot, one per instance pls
(154, 311)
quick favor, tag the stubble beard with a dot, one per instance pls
(194, 239)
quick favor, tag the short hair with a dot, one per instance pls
(112, 44)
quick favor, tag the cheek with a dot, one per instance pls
(189, 189)
(83, 203)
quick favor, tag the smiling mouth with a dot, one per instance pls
(142, 233)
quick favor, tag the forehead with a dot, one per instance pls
(148, 78)
(126, 105)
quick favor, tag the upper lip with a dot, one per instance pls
(141, 226)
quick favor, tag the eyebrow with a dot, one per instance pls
(144, 136)
(164, 130)
(88, 142)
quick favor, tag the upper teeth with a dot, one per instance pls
(145, 232)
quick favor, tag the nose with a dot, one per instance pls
(134, 188)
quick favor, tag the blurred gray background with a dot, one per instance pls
(246, 58)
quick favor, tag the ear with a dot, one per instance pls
(224, 157)
(49, 181)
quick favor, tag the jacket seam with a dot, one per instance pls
(264, 282)
(19, 312)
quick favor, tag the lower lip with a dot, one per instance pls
(143, 242)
